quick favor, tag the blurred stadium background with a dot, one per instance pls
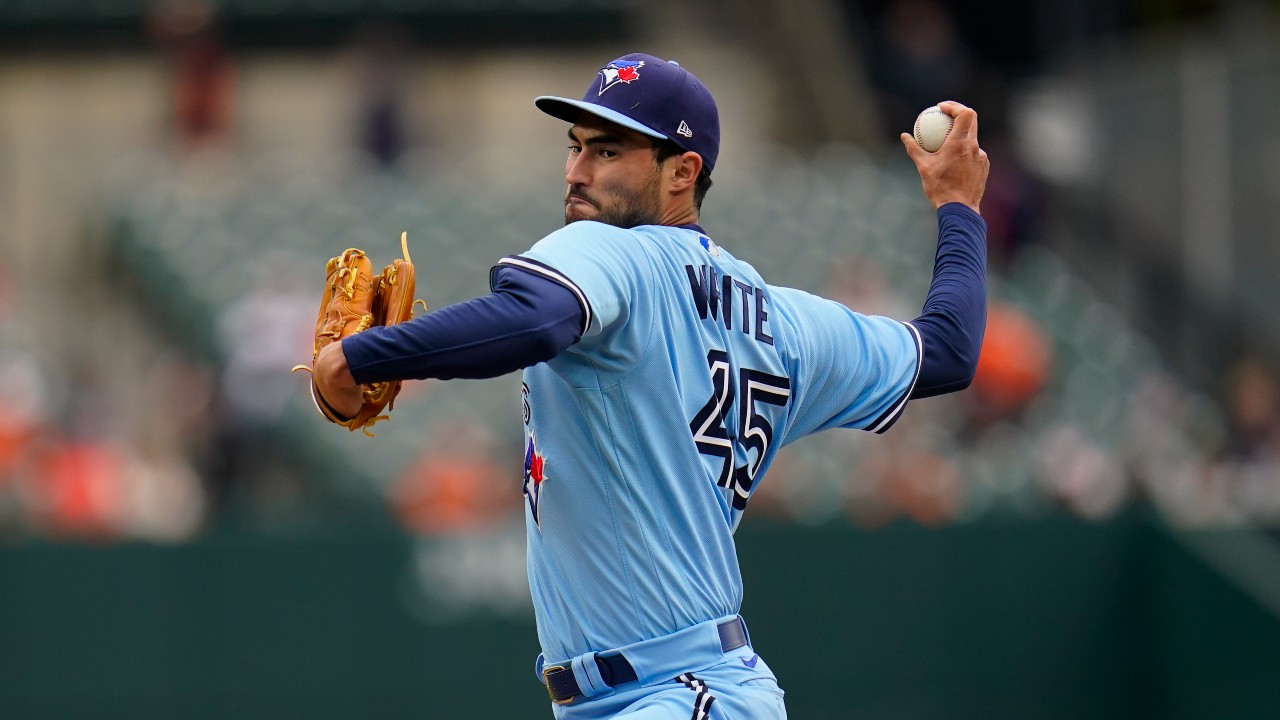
(1093, 530)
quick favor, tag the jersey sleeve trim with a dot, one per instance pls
(538, 268)
(890, 416)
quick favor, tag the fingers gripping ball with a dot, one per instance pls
(932, 128)
(354, 300)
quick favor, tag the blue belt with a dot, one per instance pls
(615, 670)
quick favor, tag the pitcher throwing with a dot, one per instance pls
(661, 376)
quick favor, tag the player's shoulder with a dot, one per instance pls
(606, 243)
(588, 231)
(590, 242)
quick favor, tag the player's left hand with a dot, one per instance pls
(334, 382)
(957, 172)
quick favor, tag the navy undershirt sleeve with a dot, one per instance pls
(955, 312)
(527, 319)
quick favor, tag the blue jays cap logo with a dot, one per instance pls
(619, 71)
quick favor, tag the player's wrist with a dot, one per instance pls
(957, 205)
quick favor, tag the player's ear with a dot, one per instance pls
(684, 171)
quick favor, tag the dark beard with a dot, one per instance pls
(633, 214)
(638, 209)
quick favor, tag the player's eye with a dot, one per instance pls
(575, 149)
(607, 153)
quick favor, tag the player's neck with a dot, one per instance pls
(679, 215)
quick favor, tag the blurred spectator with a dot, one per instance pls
(76, 490)
(1251, 452)
(202, 74)
(1012, 205)
(1253, 412)
(23, 413)
(182, 394)
(926, 487)
(454, 486)
(381, 54)
(163, 498)
(263, 334)
(869, 503)
(1081, 475)
(1173, 467)
(920, 60)
(69, 475)
(1014, 365)
(900, 474)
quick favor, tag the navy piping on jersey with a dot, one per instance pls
(890, 416)
(551, 273)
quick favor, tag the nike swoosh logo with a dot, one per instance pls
(751, 662)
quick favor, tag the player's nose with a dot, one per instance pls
(576, 170)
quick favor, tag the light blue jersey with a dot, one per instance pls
(647, 438)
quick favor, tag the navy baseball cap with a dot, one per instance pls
(651, 96)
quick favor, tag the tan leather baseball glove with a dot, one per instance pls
(353, 301)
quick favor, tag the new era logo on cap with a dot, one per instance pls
(651, 96)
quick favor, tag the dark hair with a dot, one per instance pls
(663, 149)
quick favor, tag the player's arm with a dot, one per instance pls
(527, 319)
(855, 371)
(954, 317)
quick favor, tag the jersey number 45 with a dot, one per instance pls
(711, 426)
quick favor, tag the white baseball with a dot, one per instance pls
(932, 127)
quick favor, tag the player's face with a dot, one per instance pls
(611, 175)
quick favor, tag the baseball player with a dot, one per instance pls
(661, 376)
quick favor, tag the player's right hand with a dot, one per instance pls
(957, 172)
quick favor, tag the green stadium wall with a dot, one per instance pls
(1053, 619)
